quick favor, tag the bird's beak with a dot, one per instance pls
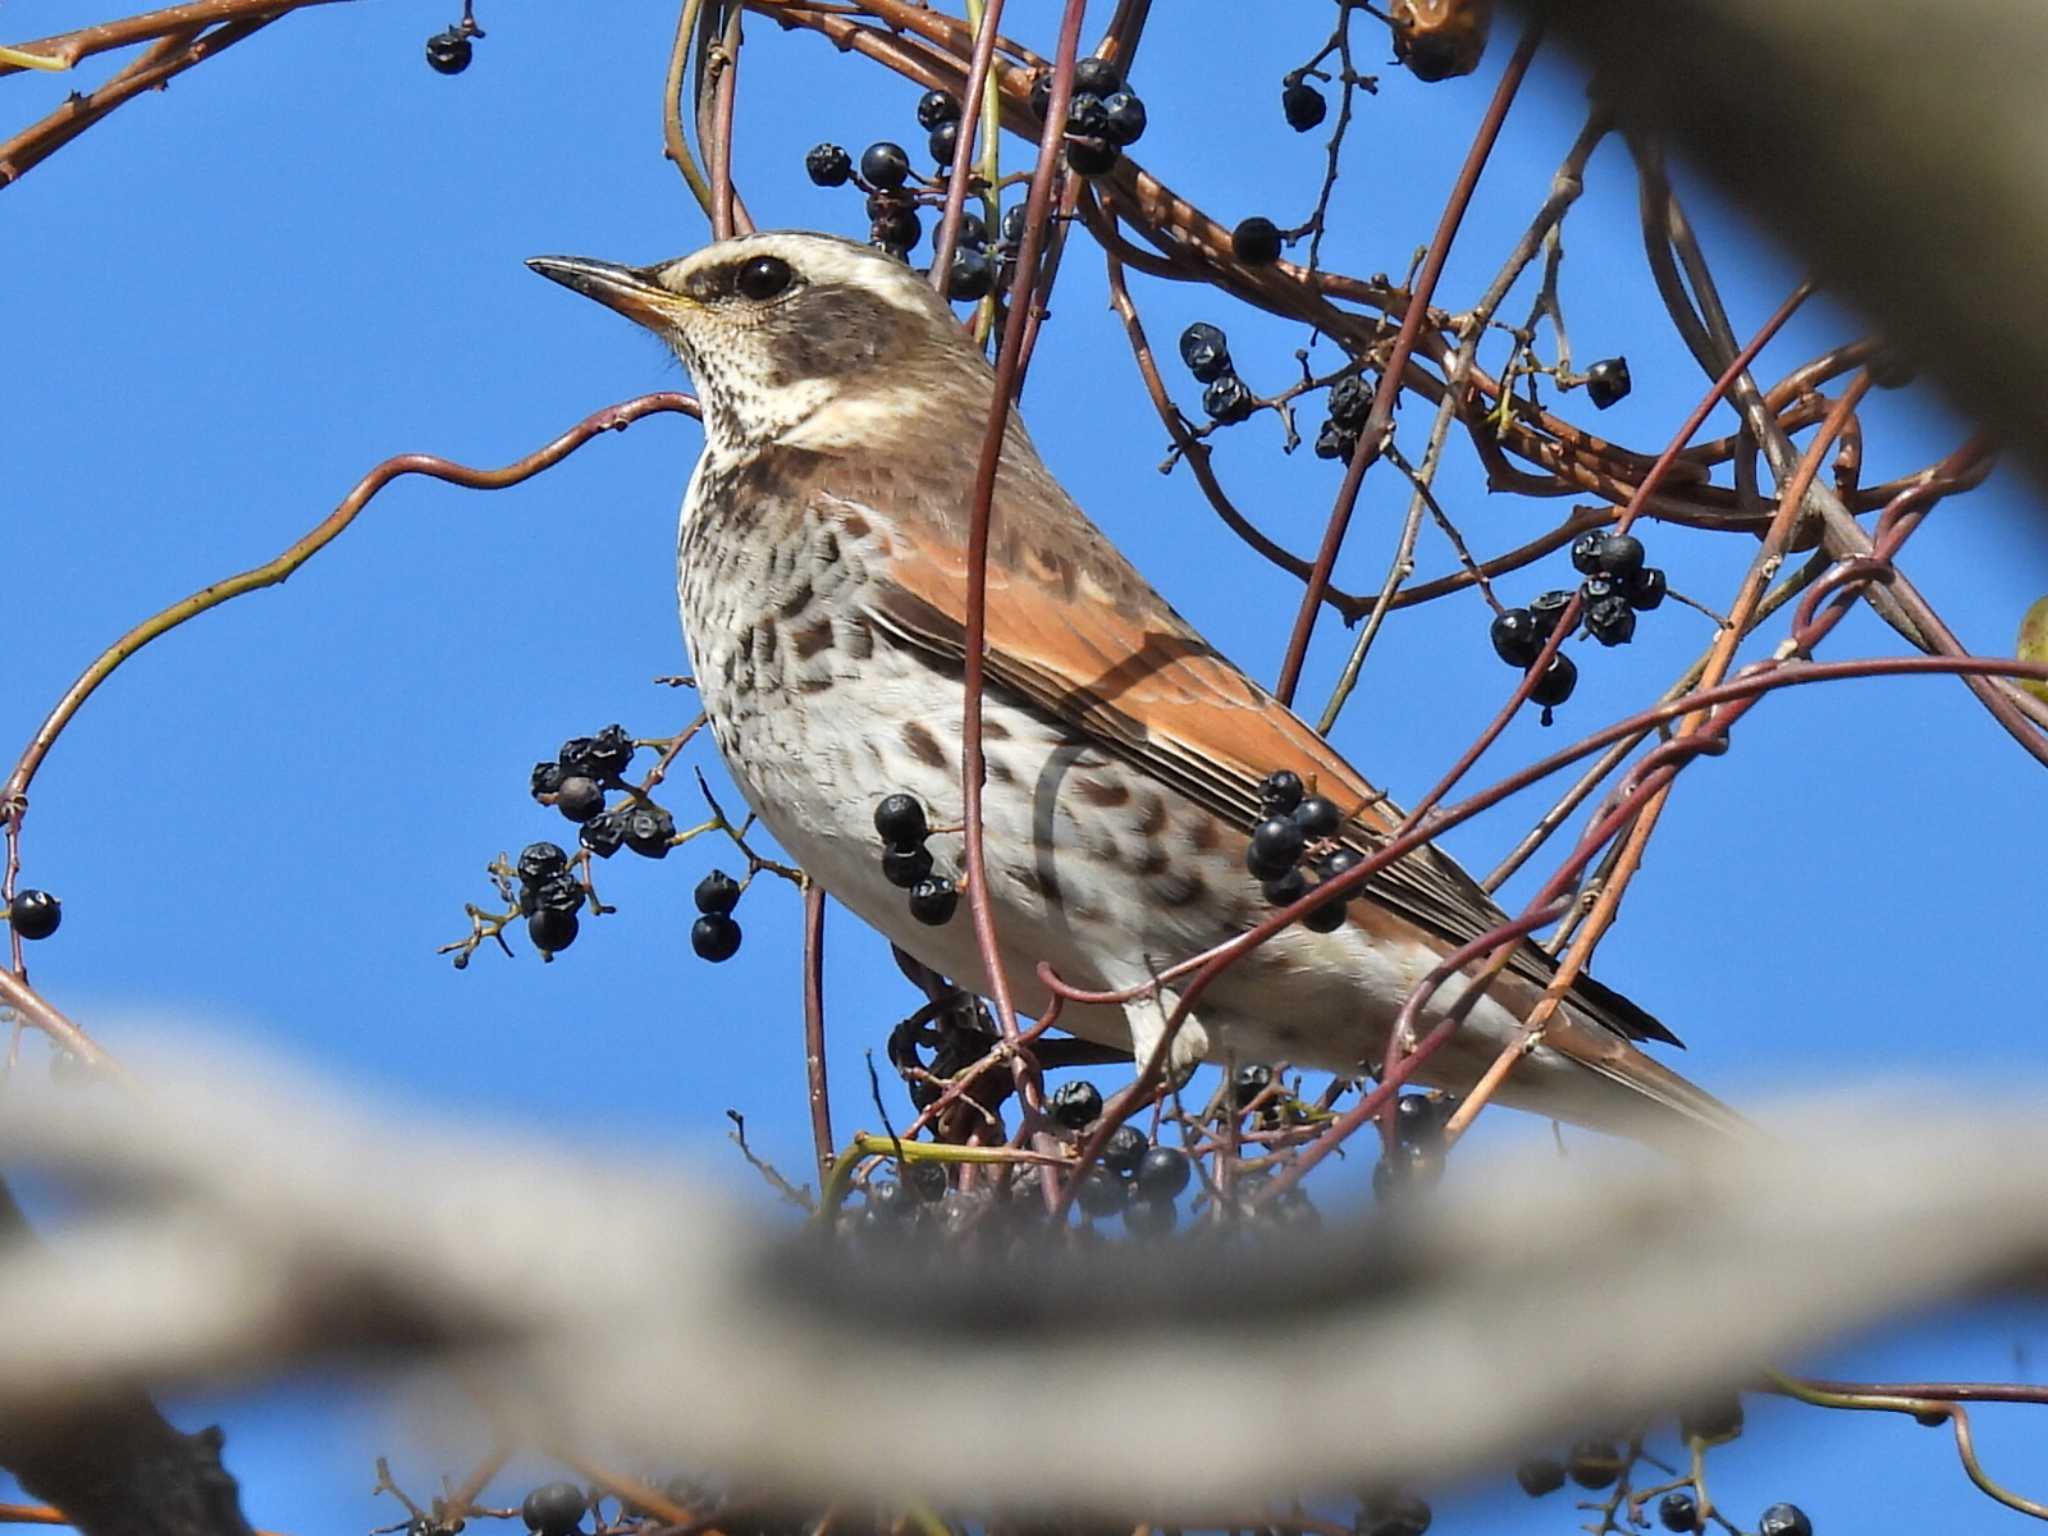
(629, 290)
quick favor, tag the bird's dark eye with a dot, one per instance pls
(762, 278)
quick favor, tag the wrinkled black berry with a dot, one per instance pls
(1607, 381)
(1678, 1511)
(1249, 1081)
(35, 914)
(1206, 351)
(1784, 1520)
(1646, 589)
(551, 930)
(649, 830)
(715, 937)
(717, 893)
(933, 902)
(1586, 551)
(1350, 402)
(943, 143)
(547, 778)
(1275, 846)
(1092, 157)
(1101, 1193)
(828, 165)
(1228, 400)
(1540, 1475)
(1076, 1104)
(1256, 241)
(558, 893)
(1087, 117)
(1335, 442)
(905, 867)
(972, 277)
(1517, 640)
(1594, 1463)
(1547, 609)
(1163, 1172)
(1124, 1150)
(1302, 104)
(539, 861)
(1318, 817)
(1280, 792)
(1124, 116)
(1611, 621)
(936, 107)
(607, 755)
(579, 798)
(884, 165)
(604, 834)
(554, 1509)
(448, 52)
(900, 820)
(1594, 588)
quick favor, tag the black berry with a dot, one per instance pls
(1678, 1511)
(715, 937)
(1256, 241)
(1547, 609)
(448, 52)
(35, 914)
(1891, 368)
(906, 867)
(554, 1509)
(1124, 1150)
(1302, 103)
(901, 822)
(1594, 1463)
(1646, 589)
(933, 902)
(1586, 551)
(717, 893)
(1784, 1520)
(927, 1180)
(1014, 221)
(1087, 117)
(1096, 77)
(1556, 683)
(1228, 400)
(1205, 350)
(1517, 640)
(888, 1200)
(1607, 381)
(1101, 1193)
(1341, 861)
(1620, 555)
(539, 861)
(1417, 1118)
(1611, 621)
(1318, 817)
(1163, 1172)
(884, 165)
(1350, 402)
(579, 798)
(547, 778)
(828, 165)
(607, 755)
(1335, 442)
(972, 277)
(604, 835)
(1540, 1475)
(557, 893)
(1124, 118)
(1405, 1516)
(551, 930)
(1280, 792)
(1406, 1169)
(945, 140)
(1275, 847)
(1327, 918)
(897, 229)
(1076, 1105)
(1249, 1081)
(936, 107)
(1092, 157)
(650, 830)
(1287, 890)
(1150, 1218)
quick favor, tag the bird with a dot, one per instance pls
(822, 578)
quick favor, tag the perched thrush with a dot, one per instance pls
(822, 577)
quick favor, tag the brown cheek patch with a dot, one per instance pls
(923, 745)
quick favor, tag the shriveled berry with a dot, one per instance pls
(715, 937)
(1540, 1475)
(905, 867)
(1275, 847)
(1556, 683)
(1124, 1150)
(1249, 1081)
(1280, 792)
(604, 834)
(1611, 621)
(1228, 400)
(557, 893)
(551, 930)
(448, 52)
(1586, 551)
(1350, 402)
(1092, 157)
(1327, 918)
(1097, 77)
(717, 893)
(1302, 104)
(1256, 241)
(1335, 442)
(35, 914)
(1784, 1520)
(897, 229)
(579, 798)
(609, 754)
(884, 165)
(828, 165)
(1163, 1172)
(538, 861)
(1678, 1511)
(554, 1509)
(927, 1180)
(900, 820)
(936, 107)
(650, 831)
(1101, 1194)
(1607, 381)
(1123, 118)
(547, 778)
(972, 277)
(1206, 351)
(1150, 1218)
(1517, 640)
(1594, 1463)
(1547, 609)
(1076, 1104)
(1646, 589)
(1087, 117)
(1318, 817)
(933, 901)
(1596, 587)
(943, 143)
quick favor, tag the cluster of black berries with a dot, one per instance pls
(1104, 116)
(1607, 381)
(892, 206)
(1416, 1160)
(555, 1509)
(448, 53)
(1392, 1514)
(907, 863)
(1301, 102)
(1291, 820)
(35, 914)
(1206, 351)
(1350, 404)
(549, 897)
(575, 784)
(1617, 587)
(1133, 1179)
(715, 936)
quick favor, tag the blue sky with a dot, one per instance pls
(231, 299)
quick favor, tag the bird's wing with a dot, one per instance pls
(1076, 630)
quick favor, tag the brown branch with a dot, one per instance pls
(67, 48)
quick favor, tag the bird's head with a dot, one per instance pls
(798, 339)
